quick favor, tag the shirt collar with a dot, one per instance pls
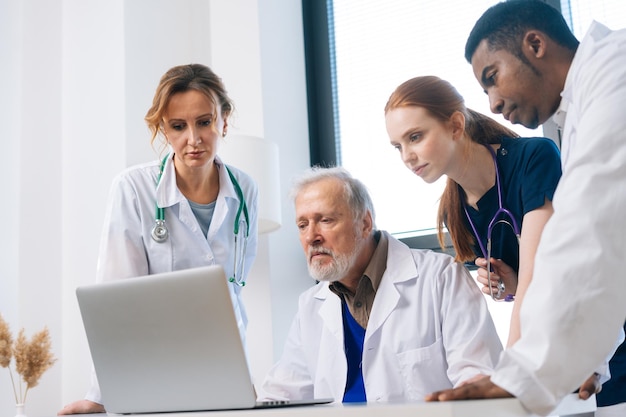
(168, 194)
(378, 263)
(561, 113)
(595, 33)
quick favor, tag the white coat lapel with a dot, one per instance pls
(400, 268)
(332, 356)
(330, 312)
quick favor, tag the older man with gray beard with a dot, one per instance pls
(385, 322)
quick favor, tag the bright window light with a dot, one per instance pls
(378, 45)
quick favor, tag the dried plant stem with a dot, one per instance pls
(21, 398)
(13, 385)
(24, 398)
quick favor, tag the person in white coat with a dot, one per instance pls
(199, 199)
(532, 68)
(386, 322)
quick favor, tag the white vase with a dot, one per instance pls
(19, 410)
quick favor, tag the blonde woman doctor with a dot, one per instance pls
(185, 210)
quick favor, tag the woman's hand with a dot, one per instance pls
(82, 407)
(499, 271)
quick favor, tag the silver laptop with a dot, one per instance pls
(168, 342)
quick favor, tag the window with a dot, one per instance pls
(580, 13)
(365, 50)
(374, 46)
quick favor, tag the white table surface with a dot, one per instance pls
(505, 407)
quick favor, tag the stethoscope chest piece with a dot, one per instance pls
(159, 231)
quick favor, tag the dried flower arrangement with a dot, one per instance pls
(32, 358)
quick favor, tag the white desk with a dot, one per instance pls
(506, 407)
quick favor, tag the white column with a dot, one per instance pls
(235, 57)
(31, 114)
(10, 116)
(93, 151)
(286, 123)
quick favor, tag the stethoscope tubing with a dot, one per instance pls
(495, 220)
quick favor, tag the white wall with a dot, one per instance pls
(30, 252)
(93, 145)
(77, 78)
(285, 121)
(10, 111)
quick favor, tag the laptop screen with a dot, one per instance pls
(166, 342)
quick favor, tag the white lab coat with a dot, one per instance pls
(128, 250)
(575, 306)
(429, 329)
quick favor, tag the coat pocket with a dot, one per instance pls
(424, 370)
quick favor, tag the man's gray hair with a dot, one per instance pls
(355, 192)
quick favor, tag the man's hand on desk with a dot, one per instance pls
(81, 407)
(481, 387)
(591, 386)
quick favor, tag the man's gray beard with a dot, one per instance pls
(337, 269)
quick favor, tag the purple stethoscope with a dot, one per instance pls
(496, 219)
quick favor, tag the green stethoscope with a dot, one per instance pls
(160, 232)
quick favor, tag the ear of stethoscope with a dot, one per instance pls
(495, 220)
(160, 232)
